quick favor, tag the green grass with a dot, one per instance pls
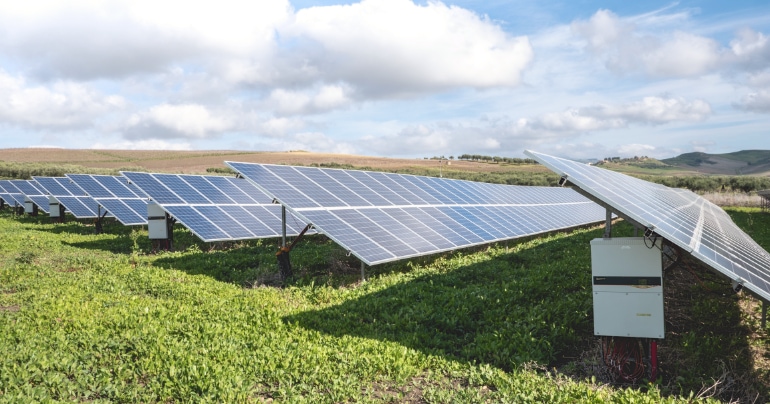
(101, 318)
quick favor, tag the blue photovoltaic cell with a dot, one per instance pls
(92, 187)
(381, 217)
(12, 194)
(153, 188)
(32, 192)
(77, 207)
(130, 212)
(215, 208)
(113, 194)
(229, 187)
(213, 194)
(680, 216)
(257, 195)
(74, 198)
(116, 186)
(52, 186)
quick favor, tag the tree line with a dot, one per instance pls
(496, 159)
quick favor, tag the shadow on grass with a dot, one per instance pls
(536, 305)
(515, 308)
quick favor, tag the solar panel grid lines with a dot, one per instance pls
(381, 217)
(15, 195)
(114, 195)
(32, 192)
(680, 216)
(74, 198)
(215, 208)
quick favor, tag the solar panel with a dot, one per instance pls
(382, 217)
(6, 196)
(114, 195)
(215, 208)
(74, 199)
(31, 191)
(683, 218)
(13, 195)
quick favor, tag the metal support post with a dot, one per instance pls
(608, 225)
(764, 313)
(363, 272)
(283, 226)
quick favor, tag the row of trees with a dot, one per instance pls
(744, 184)
(496, 159)
(16, 170)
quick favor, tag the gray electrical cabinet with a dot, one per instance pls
(627, 283)
(29, 206)
(53, 207)
(157, 227)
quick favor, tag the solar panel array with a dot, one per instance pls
(114, 195)
(71, 196)
(680, 216)
(215, 208)
(381, 217)
(31, 190)
(11, 194)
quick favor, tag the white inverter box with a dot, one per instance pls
(627, 278)
(157, 227)
(53, 207)
(29, 206)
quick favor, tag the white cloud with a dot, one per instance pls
(650, 110)
(506, 135)
(279, 127)
(756, 102)
(86, 39)
(318, 142)
(63, 104)
(636, 149)
(327, 98)
(603, 31)
(627, 49)
(441, 138)
(751, 50)
(655, 111)
(396, 46)
(181, 121)
(682, 54)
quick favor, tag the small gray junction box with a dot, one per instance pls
(627, 278)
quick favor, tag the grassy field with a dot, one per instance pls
(102, 318)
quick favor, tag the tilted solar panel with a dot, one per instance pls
(31, 191)
(74, 199)
(114, 195)
(381, 217)
(13, 194)
(6, 196)
(215, 208)
(691, 222)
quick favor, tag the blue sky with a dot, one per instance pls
(393, 78)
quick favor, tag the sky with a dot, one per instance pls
(392, 78)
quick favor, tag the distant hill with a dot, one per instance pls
(744, 162)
